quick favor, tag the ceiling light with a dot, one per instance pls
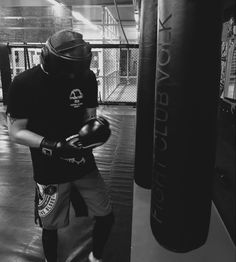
(136, 16)
(55, 2)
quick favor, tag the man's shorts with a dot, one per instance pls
(53, 201)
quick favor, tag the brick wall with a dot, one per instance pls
(32, 24)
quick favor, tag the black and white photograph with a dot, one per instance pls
(117, 130)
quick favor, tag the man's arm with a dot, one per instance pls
(19, 134)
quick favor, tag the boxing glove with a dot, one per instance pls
(94, 133)
(62, 149)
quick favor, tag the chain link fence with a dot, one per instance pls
(115, 66)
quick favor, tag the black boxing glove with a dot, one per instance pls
(62, 149)
(94, 133)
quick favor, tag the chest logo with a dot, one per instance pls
(76, 97)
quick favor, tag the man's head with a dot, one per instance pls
(66, 54)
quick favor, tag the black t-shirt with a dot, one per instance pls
(55, 110)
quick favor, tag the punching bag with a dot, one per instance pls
(145, 94)
(5, 71)
(187, 91)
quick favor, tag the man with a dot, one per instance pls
(52, 110)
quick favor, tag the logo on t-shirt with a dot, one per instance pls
(76, 98)
(79, 162)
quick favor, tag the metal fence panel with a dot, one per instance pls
(116, 69)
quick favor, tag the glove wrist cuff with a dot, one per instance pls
(47, 147)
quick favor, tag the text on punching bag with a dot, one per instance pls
(161, 118)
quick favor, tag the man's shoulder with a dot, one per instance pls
(91, 74)
(28, 74)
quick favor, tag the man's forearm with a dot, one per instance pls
(26, 138)
(19, 133)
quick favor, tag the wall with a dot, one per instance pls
(32, 24)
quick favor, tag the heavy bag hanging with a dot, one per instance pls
(187, 88)
(146, 94)
(5, 71)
